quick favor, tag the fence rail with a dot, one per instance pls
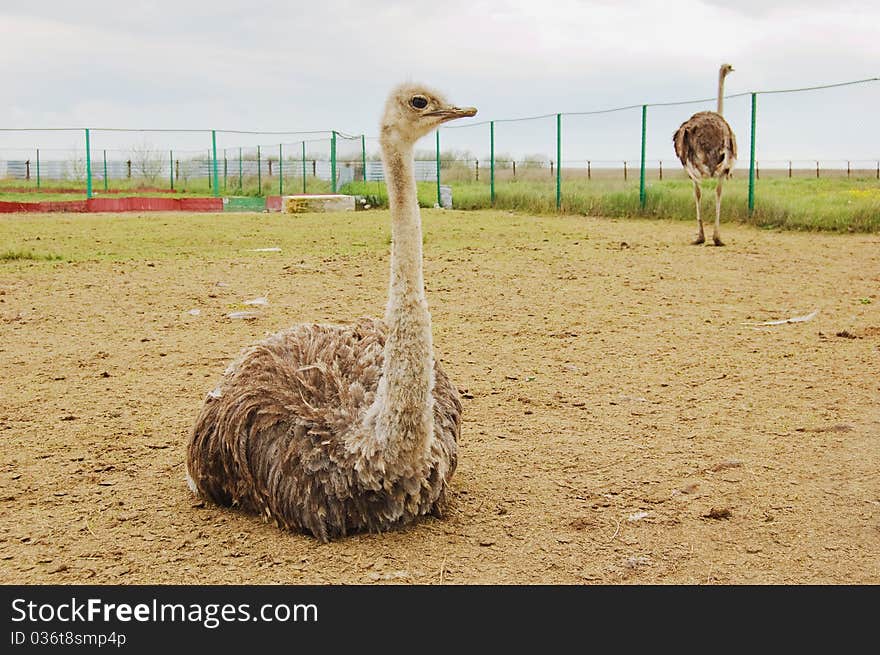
(229, 160)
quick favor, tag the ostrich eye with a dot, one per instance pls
(418, 102)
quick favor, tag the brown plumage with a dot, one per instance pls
(706, 142)
(706, 146)
(336, 429)
(268, 438)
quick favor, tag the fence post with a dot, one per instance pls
(661, 170)
(817, 170)
(280, 170)
(225, 169)
(333, 161)
(38, 169)
(105, 170)
(752, 156)
(642, 198)
(259, 174)
(88, 165)
(437, 157)
(364, 155)
(171, 168)
(304, 166)
(558, 161)
(789, 168)
(492, 162)
(624, 171)
(27, 170)
(477, 169)
(589, 172)
(214, 154)
(240, 175)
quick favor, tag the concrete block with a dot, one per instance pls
(317, 203)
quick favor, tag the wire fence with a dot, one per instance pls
(217, 162)
(628, 144)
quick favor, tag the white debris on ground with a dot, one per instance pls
(273, 249)
(243, 315)
(638, 516)
(195, 312)
(262, 300)
(793, 319)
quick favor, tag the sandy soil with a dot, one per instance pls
(623, 421)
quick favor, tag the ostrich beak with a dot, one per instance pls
(451, 113)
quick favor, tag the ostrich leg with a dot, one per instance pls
(716, 234)
(701, 238)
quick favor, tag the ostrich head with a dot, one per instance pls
(726, 69)
(413, 110)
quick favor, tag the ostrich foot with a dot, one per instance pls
(717, 241)
(700, 239)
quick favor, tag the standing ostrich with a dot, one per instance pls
(336, 429)
(706, 146)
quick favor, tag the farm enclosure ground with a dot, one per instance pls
(623, 423)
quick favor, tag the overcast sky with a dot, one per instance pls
(291, 65)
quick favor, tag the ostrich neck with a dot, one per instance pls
(406, 295)
(402, 413)
(721, 93)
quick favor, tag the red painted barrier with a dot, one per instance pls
(117, 205)
(61, 206)
(273, 203)
(201, 204)
(107, 204)
(11, 207)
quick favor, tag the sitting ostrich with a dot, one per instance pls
(337, 429)
(706, 146)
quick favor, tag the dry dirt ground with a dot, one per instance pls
(624, 423)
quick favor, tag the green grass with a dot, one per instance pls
(831, 204)
(169, 236)
(41, 197)
(836, 204)
(26, 191)
(314, 239)
(172, 235)
(29, 255)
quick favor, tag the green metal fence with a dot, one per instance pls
(579, 131)
(553, 156)
(95, 161)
